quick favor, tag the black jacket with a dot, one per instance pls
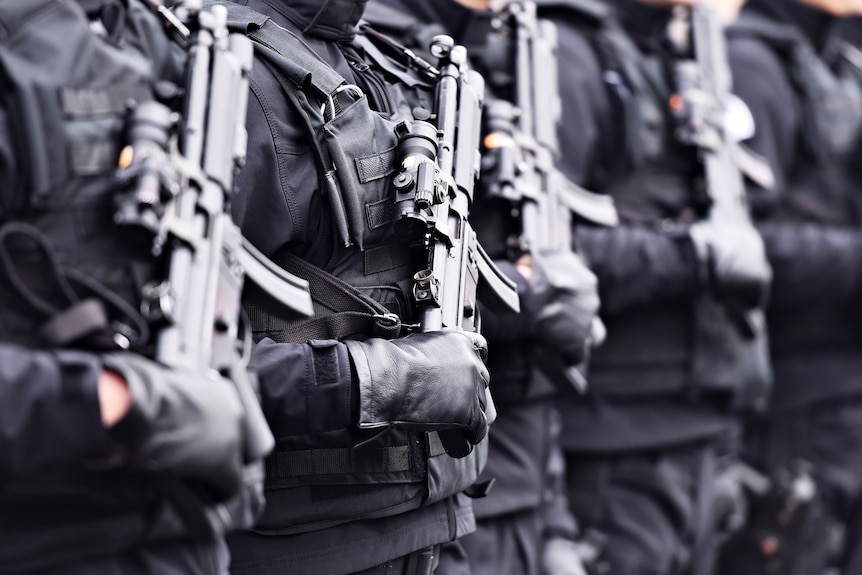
(279, 206)
(647, 278)
(814, 308)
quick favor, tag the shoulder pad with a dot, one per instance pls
(595, 10)
(386, 18)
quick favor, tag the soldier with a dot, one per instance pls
(643, 445)
(802, 84)
(557, 290)
(98, 445)
(358, 483)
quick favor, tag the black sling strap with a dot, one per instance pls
(347, 313)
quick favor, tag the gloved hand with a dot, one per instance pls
(563, 303)
(180, 424)
(561, 556)
(426, 382)
(736, 269)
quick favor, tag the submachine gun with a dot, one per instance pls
(733, 360)
(439, 165)
(179, 171)
(521, 151)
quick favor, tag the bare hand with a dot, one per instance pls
(114, 399)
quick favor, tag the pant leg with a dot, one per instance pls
(656, 511)
(453, 560)
(506, 545)
(828, 436)
(833, 445)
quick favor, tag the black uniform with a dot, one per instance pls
(810, 224)
(74, 496)
(641, 455)
(327, 515)
(511, 521)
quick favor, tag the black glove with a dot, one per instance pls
(736, 269)
(427, 382)
(562, 304)
(180, 424)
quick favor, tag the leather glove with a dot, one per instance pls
(736, 269)
(563, 304)
(426, 382)
(180, 424)
(561, 556)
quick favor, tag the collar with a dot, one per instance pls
(326, 19)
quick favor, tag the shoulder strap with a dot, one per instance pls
(344, 312)
(293, 58)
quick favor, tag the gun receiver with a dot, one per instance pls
(183, 175)
(434, 192)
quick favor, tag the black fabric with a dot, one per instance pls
(166, 558)
(50, 409)
(656, 511)
(353, 547)
(815, 23)
(68, 491)
(517, 456)
(467, 26)
(828, 435)
(506, 544)
(816, 264)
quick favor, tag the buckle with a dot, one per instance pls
(387, 319)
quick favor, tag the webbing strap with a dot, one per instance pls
(289, 53)
(338, 461)
(353, 313)
(376, 166)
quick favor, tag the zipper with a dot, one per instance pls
(374, 88)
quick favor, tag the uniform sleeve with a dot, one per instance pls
(812, 263)
(305, 388)
(49, 408)
(638, 266)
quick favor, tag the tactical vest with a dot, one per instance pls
(826, 188)
(68, 81)
(661, 350)
(318, 482)
(67, 102)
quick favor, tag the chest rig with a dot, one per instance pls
(317, 482)
(825, 188)
(67, 103)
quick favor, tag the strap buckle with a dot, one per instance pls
(387, 319)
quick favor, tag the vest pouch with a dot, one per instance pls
(362, 147)
(311, 487)
(725, 361)
(448, 475)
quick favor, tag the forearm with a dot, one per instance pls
(637, 266)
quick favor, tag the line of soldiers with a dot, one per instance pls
(516, 287)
